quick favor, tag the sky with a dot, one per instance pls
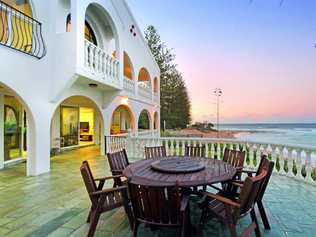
(260, 53)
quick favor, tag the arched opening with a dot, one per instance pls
(18, 129)
(156, 85)
(122, 120)
(156, 121)
(100, 29)
(144, 78)
(88, 31)
(128, 67)
(77, 122)
(144, 121)
(17, 29)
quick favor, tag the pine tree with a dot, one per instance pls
(174, 98)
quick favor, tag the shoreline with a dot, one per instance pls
(226, 134)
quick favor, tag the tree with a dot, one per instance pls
(174, 99)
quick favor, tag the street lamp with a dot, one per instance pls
(218, 93)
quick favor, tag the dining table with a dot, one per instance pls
(179, 170)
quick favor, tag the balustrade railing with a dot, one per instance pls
(145, 91)
(129, 85)
(297, 162)
(100, 63)
(21, 32)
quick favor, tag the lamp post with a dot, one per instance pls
(218, 93)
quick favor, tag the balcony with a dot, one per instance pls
(57, 204)
(21, 32)
(129, 85)
(145, 92)
(100, 65)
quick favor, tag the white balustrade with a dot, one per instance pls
(145, 91)
(129, 85)
(293, 161)
(100, 63)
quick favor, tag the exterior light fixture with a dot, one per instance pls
(93, 85)
(124, 100)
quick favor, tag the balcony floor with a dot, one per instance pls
(56, 204)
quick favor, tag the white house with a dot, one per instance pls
(72, 72)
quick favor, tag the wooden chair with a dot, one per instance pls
(118, 161)
(102, 200)
(194, 151)
(155, 152)
(265, 164)
(231, 211)
(236, 159)
(159, 207)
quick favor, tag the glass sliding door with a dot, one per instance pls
(69, 126)
(12, 128)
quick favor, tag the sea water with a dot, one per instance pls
(299, 134)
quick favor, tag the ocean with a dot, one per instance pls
(282, 133)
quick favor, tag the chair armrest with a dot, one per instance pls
(222, 199)
(238, 184)
(108, 177)
(117, 172)
(249, 172)
(184, 203)
(108, 190)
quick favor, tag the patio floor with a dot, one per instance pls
(56, 204)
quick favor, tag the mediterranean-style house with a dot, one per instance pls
(72, 73)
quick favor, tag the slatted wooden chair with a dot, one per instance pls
(155, 152)
(230, 211)
(118, 161)
(102, 200)
(236, 159)
(265, 164)
(159, 207)
(194, 151)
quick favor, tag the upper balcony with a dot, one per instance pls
(19, 31)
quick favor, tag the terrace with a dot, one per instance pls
(56, 204)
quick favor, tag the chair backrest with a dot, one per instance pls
(118, 161)
(250, 191)
(88, 178)
(155, 152)
(196, 151)
(234, 157)
(265, 164)
(155, 205)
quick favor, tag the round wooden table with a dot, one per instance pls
(214, 171)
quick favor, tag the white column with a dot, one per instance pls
(123, 120)
(38, 144)
(1, 131)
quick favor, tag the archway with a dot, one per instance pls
(156, 121)
(144, 78)
(128, 67)
(122, 120)
(103, 27)
(144, 121)
(156, 86)
(17, 130)
(77, 122)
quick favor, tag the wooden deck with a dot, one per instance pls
(56, 204)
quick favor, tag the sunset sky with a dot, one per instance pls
(261, 54)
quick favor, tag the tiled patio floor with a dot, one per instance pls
(56, 204)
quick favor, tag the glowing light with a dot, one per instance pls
(124, 100)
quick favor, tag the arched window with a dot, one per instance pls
(88, 32)
(122, 120)
(144, 78)
(128, 67)
(155, 85)
(144, 120)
